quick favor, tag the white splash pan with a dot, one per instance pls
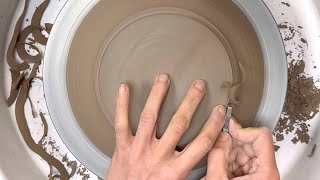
(16, 162)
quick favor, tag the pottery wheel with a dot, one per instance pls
(132, 42)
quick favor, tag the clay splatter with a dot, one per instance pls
(82, 171)
(301, 105)
(303, 40)
(288, 30)
(285, 3)
(303, 97)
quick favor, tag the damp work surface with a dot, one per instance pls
(295, 139)
(189, 40)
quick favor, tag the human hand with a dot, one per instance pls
(143, 156)
(248, 155)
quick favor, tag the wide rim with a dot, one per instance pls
(55, 88)
(275, 61)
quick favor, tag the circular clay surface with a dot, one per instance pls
(163, 40)
(132, 42)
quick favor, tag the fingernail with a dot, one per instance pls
(221, 109)
(223, 137)
(200, 84)
(218, 110)
(163, 78)
(122, 89)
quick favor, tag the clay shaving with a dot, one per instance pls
(48, 27)
(301, 105)
(36, 20)
(20, 46)
(15, 76)
(12, 62)
(24, 129)
(20, 85)
(45, 127)
(313, 150)
(33, 111)
(234, 89)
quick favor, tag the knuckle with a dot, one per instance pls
(180, 123)
(120, 103)
(273, 174)
(147, 117)
(265, 131)
(206, 144)
(118, 128)
(195, 94)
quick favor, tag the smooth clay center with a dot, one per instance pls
(163, 40)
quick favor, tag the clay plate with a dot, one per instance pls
(84, 63)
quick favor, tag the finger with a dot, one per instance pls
(122, 126)
(181, 120)
(237, 125)
(150, 112)
(259, 138)
(247, 148)
(219, 157)
(204, 142)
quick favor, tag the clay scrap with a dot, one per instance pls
(301, 105)
(234, 89)
(22, 77)
(36, 20)
(11, 60)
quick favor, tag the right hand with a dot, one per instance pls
(248, 155)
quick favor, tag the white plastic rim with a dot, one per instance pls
(55, 87)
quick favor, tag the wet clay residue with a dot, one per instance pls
(301, 105)
(234, 89)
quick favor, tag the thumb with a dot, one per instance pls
(219, 156)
